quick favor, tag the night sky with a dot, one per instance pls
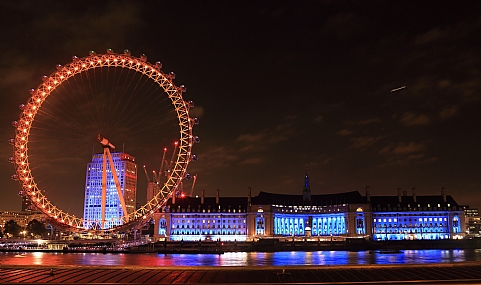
(280, 88)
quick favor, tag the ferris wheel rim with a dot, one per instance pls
(78, 65)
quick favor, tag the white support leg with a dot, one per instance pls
(104, 185)
(117, 185)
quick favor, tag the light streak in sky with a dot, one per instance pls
(397, 89)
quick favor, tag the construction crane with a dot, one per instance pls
(146, 175)
(156, 183)
(176, 144)
(158, 179)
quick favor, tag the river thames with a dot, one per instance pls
(328, 258)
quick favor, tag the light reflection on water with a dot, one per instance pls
(243, 258)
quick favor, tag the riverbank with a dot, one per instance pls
(457, 273)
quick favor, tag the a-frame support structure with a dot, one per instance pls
(107, 156)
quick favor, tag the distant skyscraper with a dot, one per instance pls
(126, 170)
(152, 190)
(26, 204)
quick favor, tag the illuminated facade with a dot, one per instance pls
(22, 218)
(417, 217)
(126, 170)
(204, 218)
(323, 216)
(473, 221)
(320, 217)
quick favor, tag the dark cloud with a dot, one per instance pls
(411, 119)
(448, 112)
(364, 142)
(403, 148)
(430, 36)
(344, 132)
(345, 25)
(369, 121)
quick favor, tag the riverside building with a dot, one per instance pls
(320, 217)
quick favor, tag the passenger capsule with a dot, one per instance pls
(172, 75)
(20, 193)
(158, 65)
(196, 121)
(15, 124)
(59, 67)
(11, 141)
(11, 159)
(188, 176)
(194, 158)
(21, 107)
(44, 78)
(32, 91)
(14, 177)
(110, 51)
(74, 58)
(143, 58)
(126, 52)
(191, 104)
(92, 53)
(196, 139)
(182, 88)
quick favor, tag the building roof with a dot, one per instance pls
(194, 203)
(265, 198)
(378, 203)
(387, 203)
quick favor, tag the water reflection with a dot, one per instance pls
(243, 258)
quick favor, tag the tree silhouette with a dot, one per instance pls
(36, 228)
(12, 228)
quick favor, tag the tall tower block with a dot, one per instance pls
(306, 192)
(126, 170)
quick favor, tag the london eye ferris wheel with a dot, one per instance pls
(111, 96)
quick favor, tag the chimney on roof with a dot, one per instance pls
(249, 196)
(217, 196)
(443, 193)
(399, 198)
(414, 195)
(202, 197)
(368, 194)
(173, 197)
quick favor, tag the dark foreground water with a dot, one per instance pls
(242, 258)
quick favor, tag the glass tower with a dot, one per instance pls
(126, 170)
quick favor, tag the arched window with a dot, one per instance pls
(260, 224)
(360, 229)
(162, 226)
(456, 225)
